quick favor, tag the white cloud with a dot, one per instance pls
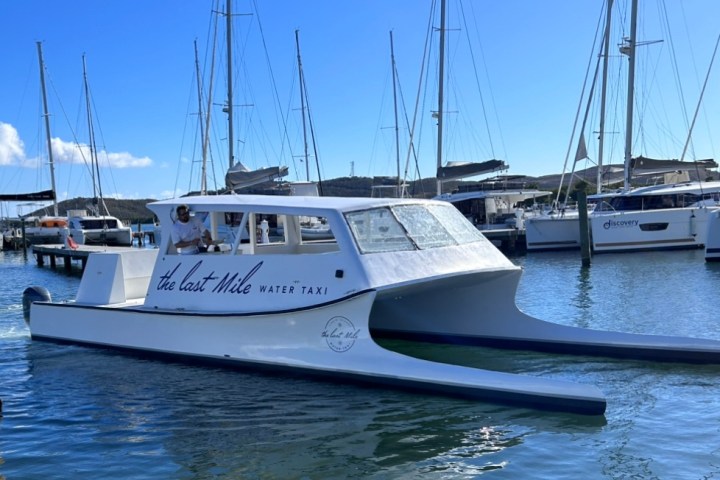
(12, 149)
(70, 152)
(126, 160)
(12, 153)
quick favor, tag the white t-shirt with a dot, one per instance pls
(185, 232)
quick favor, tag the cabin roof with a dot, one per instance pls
(672, 189)
(288, 203)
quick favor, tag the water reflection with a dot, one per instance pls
(206, 422)
(583, 300)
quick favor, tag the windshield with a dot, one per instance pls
(410, 227)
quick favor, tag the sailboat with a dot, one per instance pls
(670, 215)
(238, 176)
(44, 229)
(96, 227)
(673, 215)
(386, 186)
(558, 228)
(493, 204)
(311, 228)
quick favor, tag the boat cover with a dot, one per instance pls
(24, 197)
(458, 170)
(239, 176)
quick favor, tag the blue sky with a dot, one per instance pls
(528, 61)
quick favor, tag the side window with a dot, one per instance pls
(268, 229)
(314, 229)
(310, 229)
(229, 229)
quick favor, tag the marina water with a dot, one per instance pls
(83, 413)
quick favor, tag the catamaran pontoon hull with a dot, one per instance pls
(480, 309)
(328, 341)
(678, 228)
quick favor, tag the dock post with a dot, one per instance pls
(511, 242)
(40, 259)
(68, 263)
(584, 228)
(52, 260)
(140, 234)
(22, 238)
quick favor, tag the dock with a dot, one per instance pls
(55, 252)
(508, 240)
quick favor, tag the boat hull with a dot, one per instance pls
(328, 341)
(480, 309)
(45, 235)
(118, 237)
(663, 229)
(553, 232)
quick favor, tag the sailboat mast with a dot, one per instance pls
(95, 169)
(629, 49)
(395, 107)
(603, 95)
(203, 177)
(441, 86)
(302, 104)
(228, 20)
(47, 127)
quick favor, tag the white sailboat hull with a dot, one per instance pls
(45, 235)
(554, 232)
(677, 228)
(121, 237)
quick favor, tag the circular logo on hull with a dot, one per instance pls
(340, 334)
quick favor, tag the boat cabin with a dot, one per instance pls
(372, 243)
(659, 197)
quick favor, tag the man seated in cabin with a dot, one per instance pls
(188, 234)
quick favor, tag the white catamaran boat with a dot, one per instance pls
(672, 216)
(396, 268)
(669, 216)
(670, 213)
(45, 229)
(98, 229)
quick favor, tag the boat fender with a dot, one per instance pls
(33, 294)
